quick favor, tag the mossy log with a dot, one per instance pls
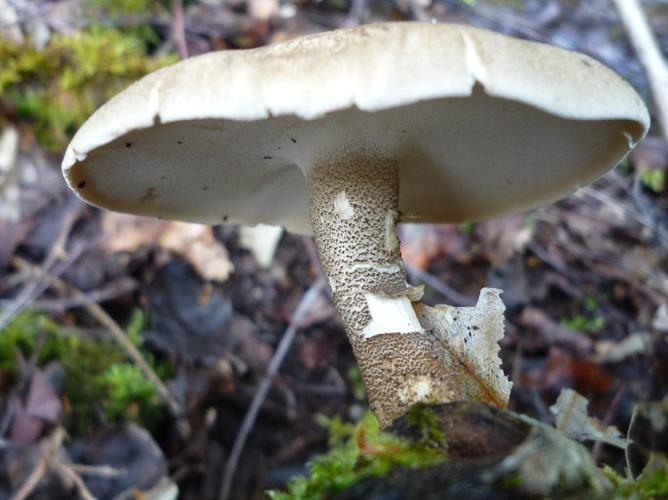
(491, 454)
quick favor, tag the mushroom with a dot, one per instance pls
(345, 134)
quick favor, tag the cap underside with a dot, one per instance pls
(461, 159)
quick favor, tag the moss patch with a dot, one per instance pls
(99, 384)
(362, 450)
(57, 88)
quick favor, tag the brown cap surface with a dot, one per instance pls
(481, 124)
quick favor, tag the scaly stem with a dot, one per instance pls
(354, 210)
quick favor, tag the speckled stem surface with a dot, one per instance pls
(354, 209)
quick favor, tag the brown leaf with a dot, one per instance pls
(504, 237)
(421, 243)
(198, 245)
(42, 401)
(128, 233)
(194, 242)
(41, 405)
(563, 370)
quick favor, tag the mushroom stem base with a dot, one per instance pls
(354, 211)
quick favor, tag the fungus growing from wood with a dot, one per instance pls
(344, 134)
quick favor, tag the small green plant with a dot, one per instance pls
(424, 418)
(649, 485)
(22, 335)
(467, 227)
(127, 394)
(589, 321)
(99, 381)
(362, 450)
(654, 179)
(356, 383)
(125, 7)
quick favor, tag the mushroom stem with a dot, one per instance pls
(354, 211)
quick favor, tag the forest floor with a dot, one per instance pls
(94, 304)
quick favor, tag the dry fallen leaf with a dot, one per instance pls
(504, 237)
(194, 242)
(466, 339)
(42, 405)
(609, 351)
(128, 233)
(572, 419)
(422, 243)
(198, 245)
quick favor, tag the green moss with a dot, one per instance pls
(649, 485)
(654, 179)
(355, 382)
(127, 394)
(57, 88)
(361, 450)
(589, 321)
(21, 335)
(99, 384)
(126, 7)
(426, 420)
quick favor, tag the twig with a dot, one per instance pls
(66, 470)
(312, 250)
(355, 13)
(649, 53)
(264, 386)
(117, 333)
(111, 291)
(55, 440)
(178, 28)
(650, 215)
(35, 287)
(97, 470)
(452, 295)
(418, 10)
(607, 419)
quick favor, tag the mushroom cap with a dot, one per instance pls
(480, 124)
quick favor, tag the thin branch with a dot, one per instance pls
(67, 471)
(607, 420)
(116, 332)
(178, 28)
(111, 291)
(452, 296)
(97, 470)
(264, 386)
(649, 53)
(51, 448)
(355, 13)
(35, 287)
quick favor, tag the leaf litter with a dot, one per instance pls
(216, 313)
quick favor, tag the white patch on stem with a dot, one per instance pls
(391, 240)
(394, 268)
(343, 207)
(390, 315)
(418, 389)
